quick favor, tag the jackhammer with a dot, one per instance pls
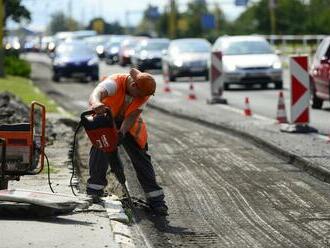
(102, 132)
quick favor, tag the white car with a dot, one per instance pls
(249, 60)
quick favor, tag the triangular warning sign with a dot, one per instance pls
(298, 89)
(215, 73)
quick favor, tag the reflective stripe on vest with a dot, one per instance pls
(116, 102)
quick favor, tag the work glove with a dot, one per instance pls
(121, 137)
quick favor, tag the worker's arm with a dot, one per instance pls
(129, 121)
(95, 100)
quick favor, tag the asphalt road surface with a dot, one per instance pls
(221, 191)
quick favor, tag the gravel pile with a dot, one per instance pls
(13, 110)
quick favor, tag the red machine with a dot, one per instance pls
(101, 130)
(22, 146)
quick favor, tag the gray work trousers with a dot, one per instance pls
(99, 162)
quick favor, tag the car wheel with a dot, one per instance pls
(56, 78)
(207, 77)
(316, 102)
(95, 78)
(3, 184)
(172, 77)
(279, 85)
(264, 86)
(226, 86)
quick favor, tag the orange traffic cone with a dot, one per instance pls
(167, 83)
(191, 95)
(281, 112)
(247, 110)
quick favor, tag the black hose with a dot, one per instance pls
(73, 157)
(48, 173)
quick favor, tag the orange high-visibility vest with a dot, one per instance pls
(116, 102)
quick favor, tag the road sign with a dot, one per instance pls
(216, 78)
(208, 21)
(241, 2)
(300, 93)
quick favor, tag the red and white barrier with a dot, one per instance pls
(300, 97)
(216, 79)
(300, 92)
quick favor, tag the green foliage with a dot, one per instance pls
(60, 22)
(17, 67)
(24, 88)
(291, 17)
(16, 11)
(109, 28)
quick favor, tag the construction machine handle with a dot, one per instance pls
(3, 156)
(92, 112)
(43, 132)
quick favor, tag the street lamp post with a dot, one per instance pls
(2, 55)
(272, 4)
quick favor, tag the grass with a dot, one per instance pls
(24, 89)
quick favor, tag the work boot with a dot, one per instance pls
(161, 210)
(96, 195)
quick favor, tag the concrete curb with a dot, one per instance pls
(119, 222)
(299, 162)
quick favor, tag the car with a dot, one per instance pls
(75, 59)
(249, 60)
(98, 43)
(126, 49)
(186, 58)
(320, 74)
(111, 49)
(148, 53)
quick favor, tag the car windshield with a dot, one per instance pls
(73, 49)
(247, 47)
(191, 46)
(155, 46)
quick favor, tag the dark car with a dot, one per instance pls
(75, 59)
(320, 74)
(148, 54)
(187, 57)
(127, 49)
(111, 49)
(98, 43)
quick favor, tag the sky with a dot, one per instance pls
(127, 12)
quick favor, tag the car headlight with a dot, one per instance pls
(93, 61)
(114, 50)
(231, 67)
(277, 65)
(58, 62)
(178, 62)
(99, 49)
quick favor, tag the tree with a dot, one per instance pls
(318, 16)
(105, 28)
(193, 15)
(17, 12)
(256, 18)
(59, 22)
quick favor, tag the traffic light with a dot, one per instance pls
(241, 2)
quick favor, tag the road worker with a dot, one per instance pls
(126, 96)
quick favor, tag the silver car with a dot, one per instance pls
(187, 58)
(249, 60)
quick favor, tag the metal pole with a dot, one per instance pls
(2, 55)
(172, 20)
(272, 16)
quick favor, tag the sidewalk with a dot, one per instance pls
(306, 151)
(81, 228)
